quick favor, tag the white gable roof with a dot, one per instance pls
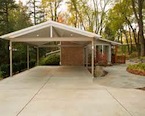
(42, 31)
(47, 24)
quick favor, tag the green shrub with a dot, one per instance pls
(132, 55)
(22, 65)
(5, 70)
(53, 59)
(32, 63)
(139, 67)
(16, 67)
(142, 58)
(1, 75)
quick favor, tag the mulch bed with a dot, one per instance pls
(137, 72)
(141, 88)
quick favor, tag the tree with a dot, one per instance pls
(78, 11)
(114, 23)
(100, 12)
(122, 14)
(36, 12)
(51, 9)
(19, 18)
(137, 6)
(5, 7)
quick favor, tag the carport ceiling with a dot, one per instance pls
(50, 31)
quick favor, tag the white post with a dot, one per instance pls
(37, 56)
(102, 49)
(95, 52)
(28, 57)
(11, 59)
(60, 54)
(51, 33)
(84, 52)
(109, 55)
(86, 57)
(93, 57)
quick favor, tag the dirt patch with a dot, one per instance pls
(137, 72)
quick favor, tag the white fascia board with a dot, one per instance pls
(112, 42)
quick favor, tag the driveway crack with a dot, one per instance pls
(119, 102)
(34, 95)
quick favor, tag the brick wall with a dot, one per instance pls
(71, 56)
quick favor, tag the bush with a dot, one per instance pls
(1, 75)
(32, 63)
(5, 70)
(139, 67)
(23, 65)
(53, 59)
(17, 67)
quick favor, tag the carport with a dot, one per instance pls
(40, 35)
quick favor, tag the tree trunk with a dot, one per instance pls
(138, 15)
(140, 23)
(130, 35)
(34, 3)
(127, 41)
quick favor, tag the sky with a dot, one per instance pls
(24, 1)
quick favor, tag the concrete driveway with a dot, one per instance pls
(118, 77)
(65, 91)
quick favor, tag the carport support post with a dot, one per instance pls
(11, 59)
(37, 56)
(93, 57)
(109, 57)
(28, 57)
(87, 57)
(102, 49)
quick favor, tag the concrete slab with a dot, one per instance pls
(16, 91)
(118, 77)
(133, 100)
(65, 91)
(13, 101)
(74, 103)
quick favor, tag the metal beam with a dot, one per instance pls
(102, 49)
(37, 56)
(93, 58)
(54, 30)
(28, 57)
(11, 58)
(51, 39)
(87, 57)
(110, 54)
(51, 32)
(47, 46)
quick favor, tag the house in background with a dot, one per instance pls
(79, 54)
(77, 47)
